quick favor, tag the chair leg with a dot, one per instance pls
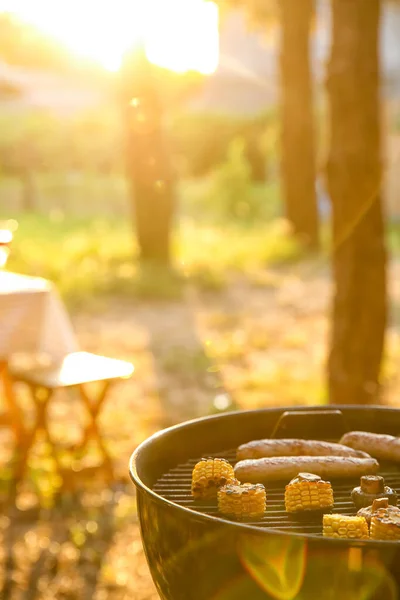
(93, 408)
(17, 421)
(42, 402)
(29, 438)
(92, 429)
(41, 397)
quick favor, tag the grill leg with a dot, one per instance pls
(92, 430)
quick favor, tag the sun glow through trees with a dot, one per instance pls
(180, 35)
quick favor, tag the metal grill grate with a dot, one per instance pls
(176, 484)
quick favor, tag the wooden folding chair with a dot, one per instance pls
(13, 417)
(76, 371)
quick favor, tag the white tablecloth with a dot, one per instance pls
(33, 319)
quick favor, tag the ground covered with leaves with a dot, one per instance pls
(260, 341)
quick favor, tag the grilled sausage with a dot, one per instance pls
(287, 447)
(385, 447)
(259, 470)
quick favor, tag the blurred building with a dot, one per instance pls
(246, 81)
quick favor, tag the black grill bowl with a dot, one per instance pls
(193, 554)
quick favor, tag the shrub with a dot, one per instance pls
(233, 196)
(201, 141)
(231, 188)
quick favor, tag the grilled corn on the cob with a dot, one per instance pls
(308, 492)
(209, 474)
(342, 526)
(242, 500)
(385, 521)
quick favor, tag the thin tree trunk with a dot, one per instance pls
(354, 180)
(298, 135)
(148, 162)
(28, 192)
(255, 156)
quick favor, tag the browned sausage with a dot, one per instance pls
(288, 447)
(385, 447)
(286, 467)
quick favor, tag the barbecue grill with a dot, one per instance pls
(195, 554)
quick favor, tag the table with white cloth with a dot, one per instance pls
(34, 323)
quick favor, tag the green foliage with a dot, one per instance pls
(228, 194)
(200, 142)
(94, 140)
(41, 141)
(231, 190)
(394, 237)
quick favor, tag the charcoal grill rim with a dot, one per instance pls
(203, 517)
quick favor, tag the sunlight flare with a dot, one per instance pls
(180, 35)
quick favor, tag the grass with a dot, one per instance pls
(219, 234)
(96, 257)
(90, 258)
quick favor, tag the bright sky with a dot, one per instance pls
(180, 35)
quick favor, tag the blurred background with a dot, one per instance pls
(164, 163)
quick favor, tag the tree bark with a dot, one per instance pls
(354, 181)
(28, 192)
(298, 135)
(149, 168)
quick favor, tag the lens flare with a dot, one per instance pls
(277, 564)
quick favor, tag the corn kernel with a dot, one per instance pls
(209, 474)
(343, 526)
(242, 501)
(308, 492)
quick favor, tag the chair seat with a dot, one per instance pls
(76, 368)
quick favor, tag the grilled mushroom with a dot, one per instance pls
(371, 488)
(368, 511)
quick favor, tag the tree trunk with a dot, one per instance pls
(148, 162)
(354, 181)
(255, 156)
(298, 135)
(28, 192)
